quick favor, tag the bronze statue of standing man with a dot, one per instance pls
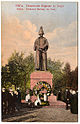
(41, 46)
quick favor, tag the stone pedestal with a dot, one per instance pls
(37, 76)
(46, 76)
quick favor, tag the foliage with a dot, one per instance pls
(74, 79)
(5, 77)
(67, 74)
(71, 77)
(55, 67)
(62, 77)
(17, 71)
(15, 65)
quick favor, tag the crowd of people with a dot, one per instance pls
(71, 100)
(11, 101)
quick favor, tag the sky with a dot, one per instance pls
(19, 30)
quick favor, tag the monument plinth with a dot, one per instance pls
(40, 76)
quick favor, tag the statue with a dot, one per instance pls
(41, 46)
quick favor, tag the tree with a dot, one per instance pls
(67, 74)
(5, 76)
(15, 64)
(19, 70)
(29, 67)
(74, 79)
(55, 67)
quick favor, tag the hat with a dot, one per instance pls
(41, 31)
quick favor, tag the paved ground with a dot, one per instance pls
(42, 115)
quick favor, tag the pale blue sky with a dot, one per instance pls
(49, 19)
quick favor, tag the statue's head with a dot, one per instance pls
(41, 32)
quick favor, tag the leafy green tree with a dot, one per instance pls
(74, 79)
(55, 67)
(15, 64)
(18, 70)
(5, 76)
(29, 67)
(67, 75)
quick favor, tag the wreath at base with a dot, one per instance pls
(40, 87)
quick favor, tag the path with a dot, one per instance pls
(42, 115)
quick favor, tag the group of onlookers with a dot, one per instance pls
(71, 100)
(11, 101)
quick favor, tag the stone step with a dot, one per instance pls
(58, 106)
(58, 103)
(55, 106)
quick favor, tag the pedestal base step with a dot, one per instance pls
(58, 104)
(55, 106)
(53, 102)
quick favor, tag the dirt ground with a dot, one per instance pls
(41, 115)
